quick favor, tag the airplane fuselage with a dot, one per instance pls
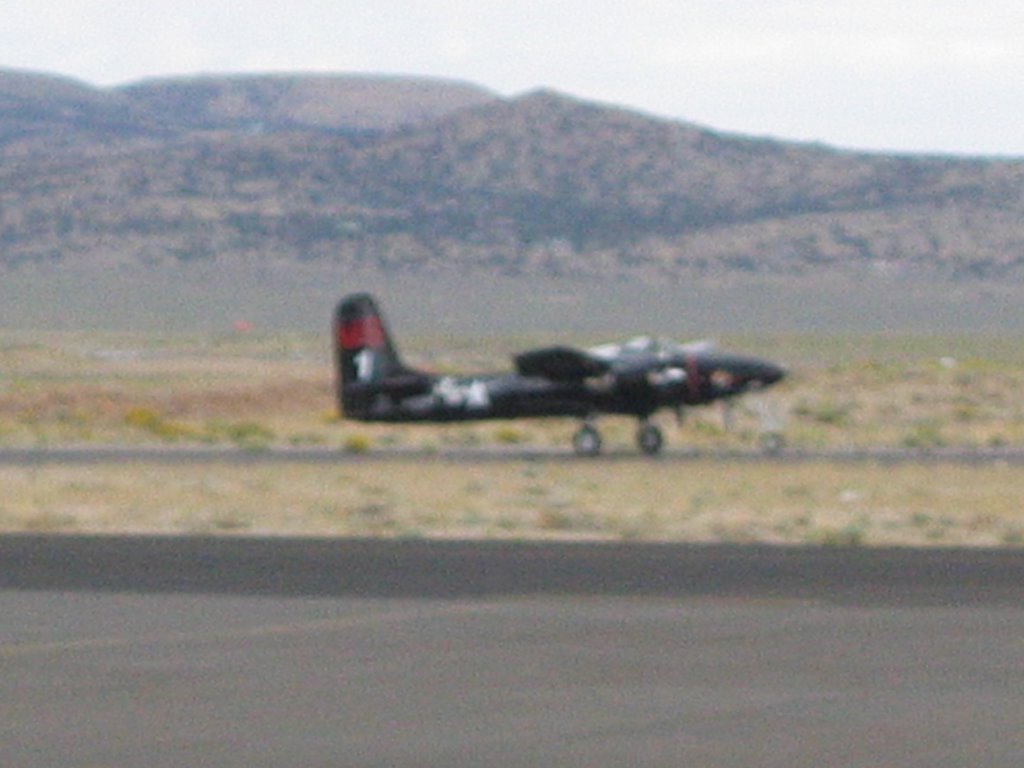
(510, 395)
(635, 378)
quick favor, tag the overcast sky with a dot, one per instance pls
(916, 75)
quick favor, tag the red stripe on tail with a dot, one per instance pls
(364, 332)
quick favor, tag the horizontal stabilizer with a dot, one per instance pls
(560, 364)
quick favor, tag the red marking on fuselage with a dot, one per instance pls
(693, 377)
(360, 333)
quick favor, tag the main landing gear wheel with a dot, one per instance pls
(649, 439)
(587, 441)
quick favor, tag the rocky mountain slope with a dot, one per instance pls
(428, 176)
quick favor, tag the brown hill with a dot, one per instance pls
(436, 177)
(274, 103)
(39, 112)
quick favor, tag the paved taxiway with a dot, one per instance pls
(247, 652)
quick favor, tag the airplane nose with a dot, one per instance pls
(771, 373)
(749, 372)
(762, 373)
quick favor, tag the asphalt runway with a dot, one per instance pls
(87, 455)
(313, 653)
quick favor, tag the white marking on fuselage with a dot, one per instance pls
(364, 361)
(472, 395)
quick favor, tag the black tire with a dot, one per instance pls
(587, 441)
(649, 439)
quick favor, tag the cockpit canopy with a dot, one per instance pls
(650, 346)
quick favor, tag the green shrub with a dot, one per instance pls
(246, 434)
(508, 435)
(827, 412)
(151, 421)
(357, 444)
(923, 435)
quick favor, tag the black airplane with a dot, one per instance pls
(635, 378)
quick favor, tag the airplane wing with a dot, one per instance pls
(560, 364)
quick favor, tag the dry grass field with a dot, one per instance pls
(253, 392)
(702, 501)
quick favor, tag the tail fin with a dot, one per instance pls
(366, 359)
